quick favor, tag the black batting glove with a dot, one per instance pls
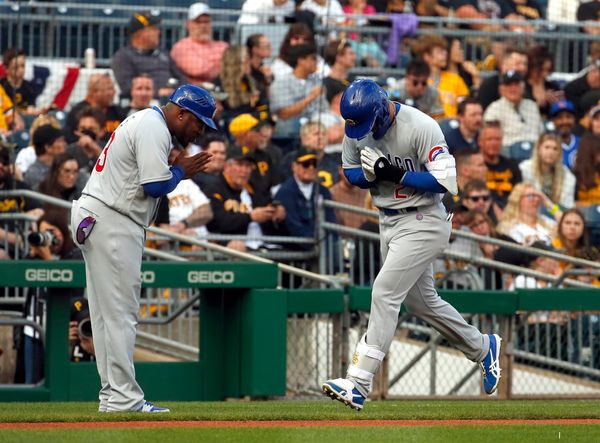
(385, 171)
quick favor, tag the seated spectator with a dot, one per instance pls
(91, 138)
(514, 59)
(216, 146)
(546, 172)
(479, 223)
(259, 50)
(297, 34)
(198, 56)
(245, 130)
(26, 156)
(65, 180)
(266, 129)
(545, 92)
(234, 209)
(266, 11)
(143, 55)
(470, 119)
(481, 10)
(344, 192)
(100, 94)
(14, 83)
(48, 143)
(571, 235)
(588, 13)
(469, 166)
(142, 92)
(545, 265)
(243, 94)
(432, 48)
(326, 11)
(562, 114)
(299, 195)
(332, 118)
(519, 117)
(579, 87)
(466, 69)
(477, 197)
(414, 91)
(521, 10)
(296, 96)
(366, 49)
(313, 137)
(587, 171)
(522, 220)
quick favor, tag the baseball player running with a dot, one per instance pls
(400, 154)
(108, 221)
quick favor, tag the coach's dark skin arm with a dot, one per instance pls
(192, 165)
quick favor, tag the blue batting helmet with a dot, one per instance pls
(196, 100)
(365, 108)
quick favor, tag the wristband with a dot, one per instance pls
(554, 209)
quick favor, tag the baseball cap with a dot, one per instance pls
(242, 123)
(240, 154)
(560, 106)
(510, 77)
(304, 155)
(46, 134)
(198, 9)
(594, 111)
(589, 100)
(142, 20)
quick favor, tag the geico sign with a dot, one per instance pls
(226, 277)
(64, 275)
(148, 276)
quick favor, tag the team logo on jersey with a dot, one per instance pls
(350, 122)
(435, 151)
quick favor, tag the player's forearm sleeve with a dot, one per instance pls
(423, 181)
(158, 189)
(357, 178)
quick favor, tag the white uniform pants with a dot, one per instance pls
(113, 258)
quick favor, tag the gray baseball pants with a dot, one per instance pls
(113, 259)
(410, 243)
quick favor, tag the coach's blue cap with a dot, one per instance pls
(560, 106)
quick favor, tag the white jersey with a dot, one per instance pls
(137, 153)
(413, 140)
(183, 200)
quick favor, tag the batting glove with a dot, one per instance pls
(368, 157)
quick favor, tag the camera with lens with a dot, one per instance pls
(46, 238)
(89, 133)
(84, 328)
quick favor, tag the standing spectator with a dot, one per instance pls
(198, 55)
(48, 142)
(21, 91)
(243, 94)
(299, 195)
(521, 219)
(546, 172)
(562, 114)
(65, 180)
(91, 137)
(544, 91)
(259, 50)
(143, 55)
(100, 95)
(344, 192)
(470, 119)
(414, 91)
(266, 11)
(216, 146)
(519, 117)
(587, 171)
(142, 92)
(514, 59)
(433, 50)
(234, 208)
(503, 173)
(296, 96)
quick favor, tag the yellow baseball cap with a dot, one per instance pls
(242, 123)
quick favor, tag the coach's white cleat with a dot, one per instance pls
(343, 390)
(491, 365)
(149, 407)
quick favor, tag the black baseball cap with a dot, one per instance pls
(240, 154)
(511, 77)
(304, 155)
(141, 20)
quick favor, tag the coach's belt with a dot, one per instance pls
(389, 211)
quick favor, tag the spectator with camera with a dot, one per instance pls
(91, 137)
(81, 341)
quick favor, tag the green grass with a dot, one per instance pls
(441, 434)
(312, 410)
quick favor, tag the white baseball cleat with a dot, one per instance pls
(343, 390)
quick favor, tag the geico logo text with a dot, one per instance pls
(211, 277)
(49, 275)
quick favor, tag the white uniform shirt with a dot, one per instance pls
(412, 140)
(183, 200)
(136, 154)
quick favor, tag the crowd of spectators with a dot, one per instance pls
(527, 148)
